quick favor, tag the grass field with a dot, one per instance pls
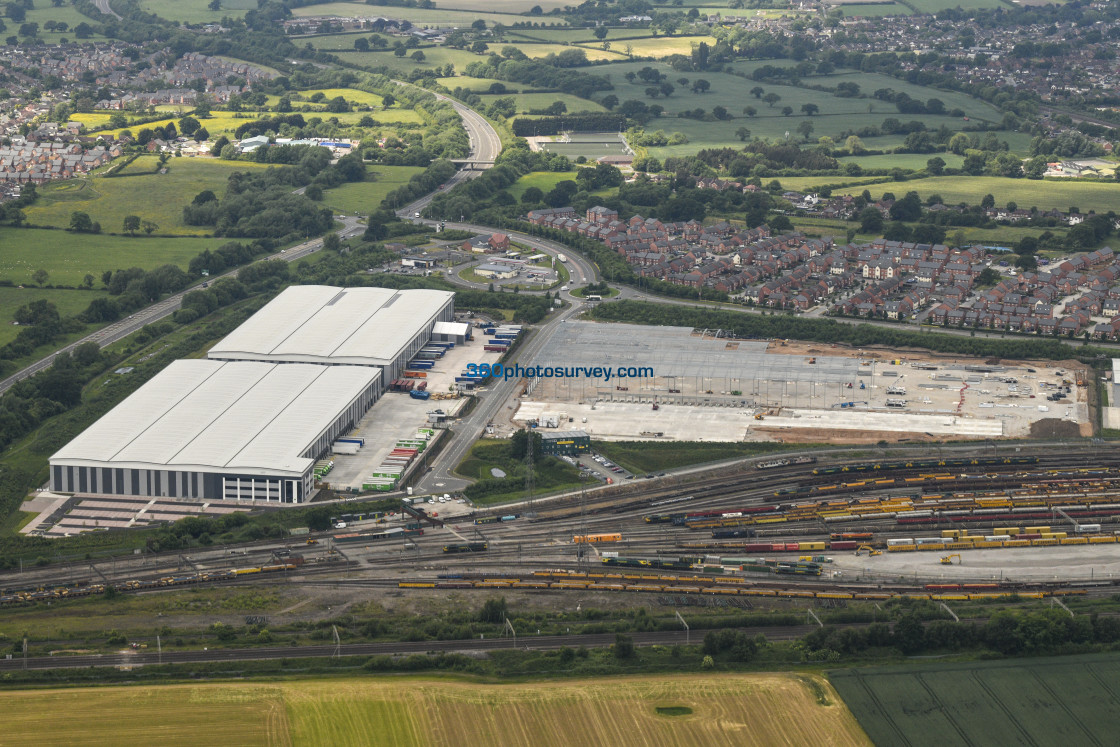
(872, 10)
(932, 6)
(196, 11)
(69, 302)
(914, 161)
(477, 85)
(542, 180)
(419, 16)
(646, 456)
(561, 36)
(68, 257)
(1027, 193)
(716, 710)
(364, 197)
(1068, 700)
(218, 122)
(733, 92)
(43, 12)
(527, 101)
(433, 57)
(502, 6)
(156, 197)
(660, 47)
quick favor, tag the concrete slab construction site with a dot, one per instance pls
(854, 420)
(628, 421)
(800, 391)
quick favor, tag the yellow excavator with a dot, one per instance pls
(871, 551)
(948, 559)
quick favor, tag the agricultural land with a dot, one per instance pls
(1069, 700)
(695, 710)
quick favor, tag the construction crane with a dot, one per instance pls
(871, 551)
(948, 559)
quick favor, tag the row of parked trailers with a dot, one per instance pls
(387, 475)
(499, 339)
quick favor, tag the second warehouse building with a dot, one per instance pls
(243, 425)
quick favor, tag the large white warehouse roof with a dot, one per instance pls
(323, 324)
(205, 415)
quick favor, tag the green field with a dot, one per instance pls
(660, 47)
(914, 161)
(477, 85)
(502, 6)
(365, 197)
(733, 92)
(196, 11)
(1068, 700)
(419, 16)
(542, 180)
(1027, 193)
(932, 6)
(874, 10)
(155, 197)
(68, 257)
(437, 56)
(403, 711)
(587, 35)
(44, 11)
(433, 57)
(527, 101)
(69, 302)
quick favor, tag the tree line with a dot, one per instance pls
(760, 326)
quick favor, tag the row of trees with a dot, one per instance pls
(827, 330)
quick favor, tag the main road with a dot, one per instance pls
(124, 327)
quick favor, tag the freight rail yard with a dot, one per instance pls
(706, 386)
(773, 532)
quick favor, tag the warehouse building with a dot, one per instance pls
(207, 429)
(379, 327)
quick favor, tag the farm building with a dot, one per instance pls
(210, 430)
(378, 327)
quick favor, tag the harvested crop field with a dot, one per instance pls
(696, 710)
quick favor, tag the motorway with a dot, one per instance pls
(104, 7)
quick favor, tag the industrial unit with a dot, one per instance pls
(204, 429)
(249, 423)
(321, 324)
